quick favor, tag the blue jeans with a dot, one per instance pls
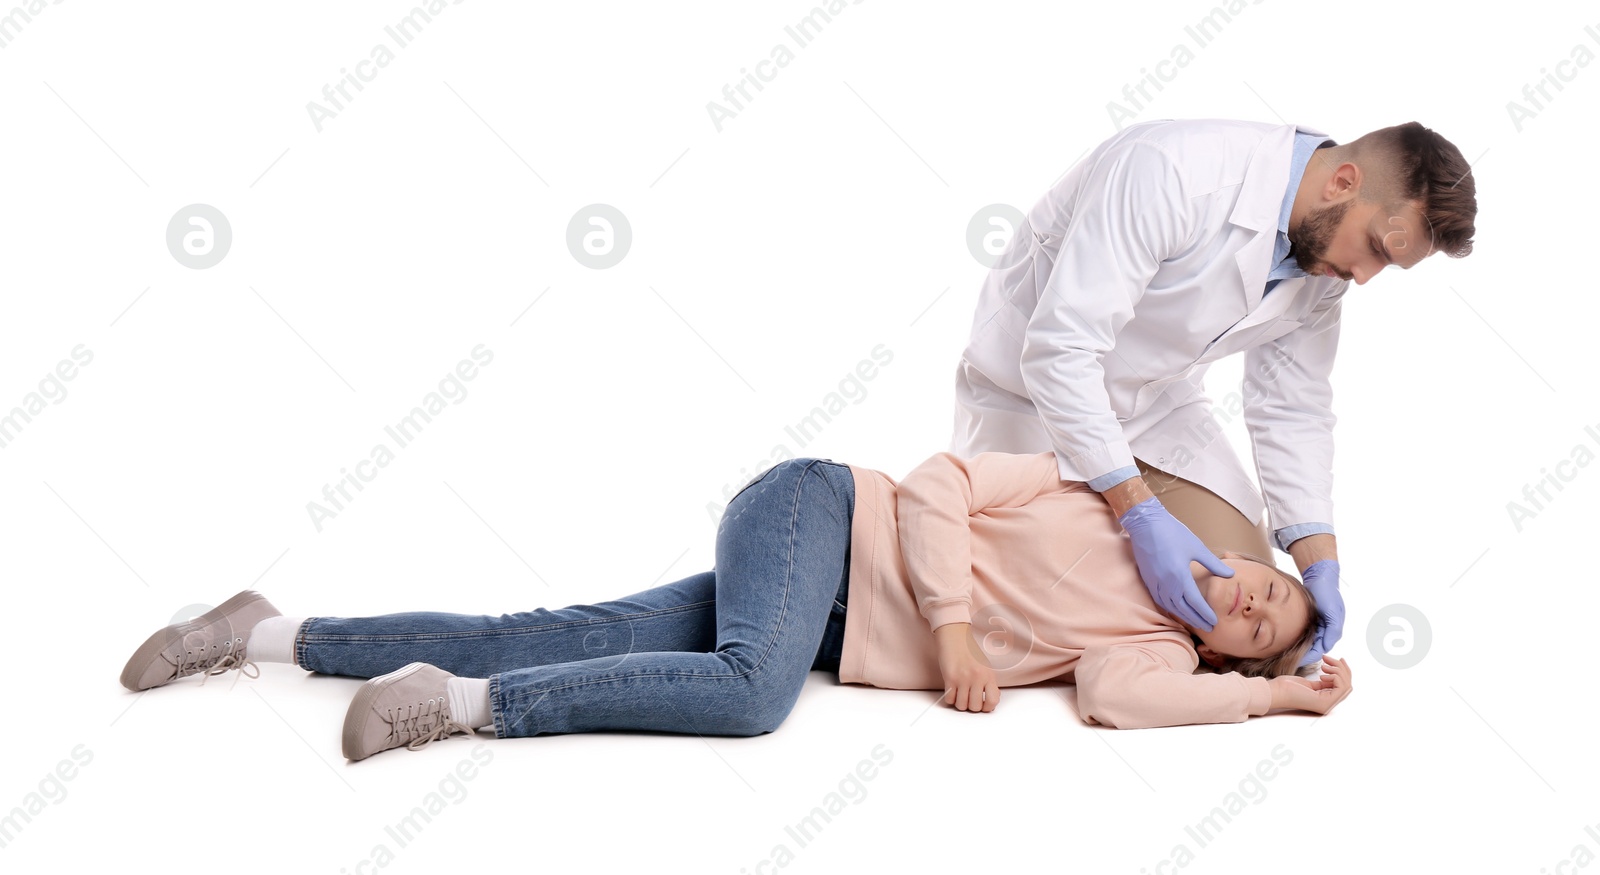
(722, 652)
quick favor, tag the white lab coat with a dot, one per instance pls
(1093, 332)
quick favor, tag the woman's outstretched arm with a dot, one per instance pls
(1317, 696)
(1135, 685)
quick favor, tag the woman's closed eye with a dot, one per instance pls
(1257, 635)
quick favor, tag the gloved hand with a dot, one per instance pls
(1322, 578)
(1163, 547)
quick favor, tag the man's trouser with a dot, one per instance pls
(1218, 524)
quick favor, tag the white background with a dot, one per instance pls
(827, 217)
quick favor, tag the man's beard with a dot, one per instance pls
(1309, 242)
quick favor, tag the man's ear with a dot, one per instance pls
(1211, 657)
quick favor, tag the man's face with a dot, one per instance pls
(1353, 240)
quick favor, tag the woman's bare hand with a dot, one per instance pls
(1317, 696)
(969, 680)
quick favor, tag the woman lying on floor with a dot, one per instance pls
(818, 565)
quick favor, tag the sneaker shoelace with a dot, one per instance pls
(209, 662)
(423, 723)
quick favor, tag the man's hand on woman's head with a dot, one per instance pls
(1163, 548)
(1322, 578)
(969, 681)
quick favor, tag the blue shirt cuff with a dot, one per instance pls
(1111, 478)
(1289, 534)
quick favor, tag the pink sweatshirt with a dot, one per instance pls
(1044, 573)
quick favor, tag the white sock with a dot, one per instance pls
(469, 701)
(272, 640)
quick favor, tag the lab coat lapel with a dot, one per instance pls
(1260, 198)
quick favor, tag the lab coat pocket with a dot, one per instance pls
(1278, 329)
(1149, 392)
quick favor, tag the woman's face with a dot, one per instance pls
(1259, 612)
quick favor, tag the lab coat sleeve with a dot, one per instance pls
(1132, 213)
(934, 505)
(1288, 411)
(1137, 685)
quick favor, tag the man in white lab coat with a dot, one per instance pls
(1175, 243)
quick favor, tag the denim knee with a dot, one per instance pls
(759, 704)
(756, 715)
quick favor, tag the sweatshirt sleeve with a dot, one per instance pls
(1291, 421)
(934, 504)
(1136, 685)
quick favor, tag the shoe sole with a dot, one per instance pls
(355, 719)
(166, 636)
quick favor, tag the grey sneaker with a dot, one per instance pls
(406, 706)
(213, 643)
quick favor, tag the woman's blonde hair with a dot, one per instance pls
(1287, 662)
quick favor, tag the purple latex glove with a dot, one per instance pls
(1164, 547)
(1322, 578)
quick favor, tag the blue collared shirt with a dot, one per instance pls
(1283, 268)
